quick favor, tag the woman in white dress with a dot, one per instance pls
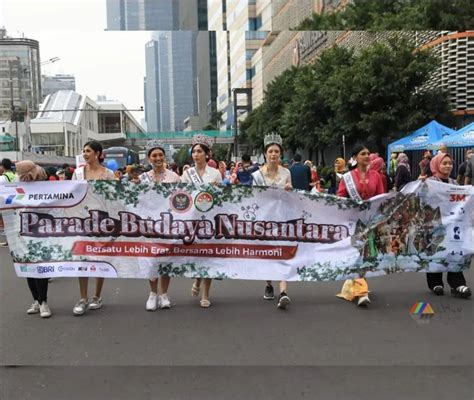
(274, 175)
(200, 174)
(158, 174)
(93, 170)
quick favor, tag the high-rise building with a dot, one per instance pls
(51, 84)
(20, 75)
(170, 85)
(130, 15)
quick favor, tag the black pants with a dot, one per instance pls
(455, 279)
(38, 288)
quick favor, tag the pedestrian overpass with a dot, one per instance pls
(179, 138)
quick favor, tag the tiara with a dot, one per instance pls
(154, 144)
(272, 138)
(202, 139)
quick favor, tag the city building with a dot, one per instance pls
(170, 85)
(67, 120)
(129, 15)
(51, 84)
(20, 76)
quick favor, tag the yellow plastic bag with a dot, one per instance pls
(354, 288)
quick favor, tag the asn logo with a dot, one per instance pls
(20, 194)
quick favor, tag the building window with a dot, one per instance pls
(250, 73)
(255, 23)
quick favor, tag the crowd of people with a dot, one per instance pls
(362, 177)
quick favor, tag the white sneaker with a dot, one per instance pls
(80, 307)
(96, 303)
(45, 312)
(363, 301)
(34, 308)
(152, 302)
(164, 301)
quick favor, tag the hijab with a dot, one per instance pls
(342, 164)
(402, 159)
(436, 162)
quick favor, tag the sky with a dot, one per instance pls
(103, 62)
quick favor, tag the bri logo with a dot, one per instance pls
(20, 194)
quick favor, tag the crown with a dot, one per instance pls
(272, 138)
(154, 144)
(202, 139)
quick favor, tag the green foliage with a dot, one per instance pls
(182, 157)
(373, 96)
(379, 15)
(221, 152)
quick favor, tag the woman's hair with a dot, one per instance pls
(358, 148)
(206, 149)
(153, 149)
(97, 147)
(273, 144)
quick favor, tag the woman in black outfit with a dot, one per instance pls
(402, 174)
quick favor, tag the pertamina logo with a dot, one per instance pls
(19, 196)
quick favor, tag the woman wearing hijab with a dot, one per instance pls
(335, 175)
(441, 166)
(28, 171)
(402, 174)
(377, 164)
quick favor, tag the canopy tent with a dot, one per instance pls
(464, 137)
(421, 138)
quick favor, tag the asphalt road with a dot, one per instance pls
(243, 347)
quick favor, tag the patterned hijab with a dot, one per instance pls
(402, 159)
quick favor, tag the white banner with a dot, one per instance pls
(126, 230)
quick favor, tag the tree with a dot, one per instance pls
(379, 15)
(215, 121)
(181, 156)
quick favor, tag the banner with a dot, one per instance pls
(126, 230)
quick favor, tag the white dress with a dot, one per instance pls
(282, 178)
(211, 175)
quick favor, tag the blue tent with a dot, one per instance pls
(421, 139)
(464, 137)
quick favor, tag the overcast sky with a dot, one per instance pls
(103, 62)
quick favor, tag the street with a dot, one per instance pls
(378, 352)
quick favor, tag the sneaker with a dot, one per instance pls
(438, 290)
(363, 301)
(3, 244)
(164, 301)
(34, 308)
(80, 307)
(269, 295)
(283, 301)
(96, 303)
(45, 312)
(151, 303)
(463, 292)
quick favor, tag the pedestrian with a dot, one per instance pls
(469, 175)
(245, 170)
(402, 174)
(156, 154)
(424, 165)
(300, 174)
(393, 165)
(200, 174)
(272, 174)
(377, 164)
(335, 175)
(361, 183)
(6, 173)
(28, 171)
(441, 166)
(463, 166)
(92, 170)
(315, 185)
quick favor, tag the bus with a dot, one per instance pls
(119, 157)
